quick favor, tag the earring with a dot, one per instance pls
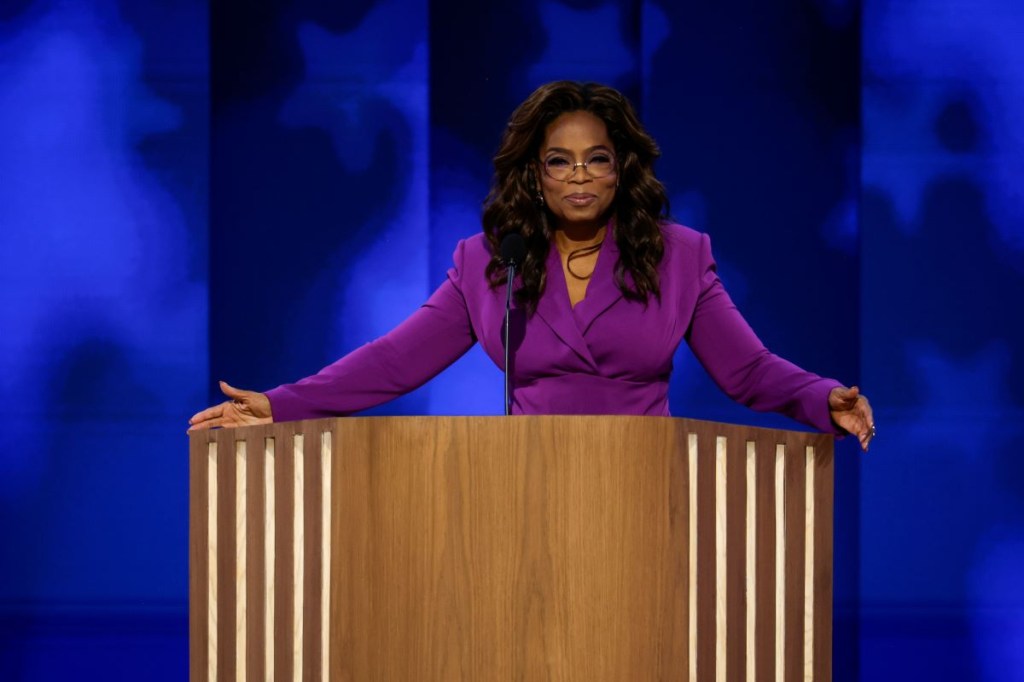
(540, 197)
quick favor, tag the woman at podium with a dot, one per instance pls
(607, 288)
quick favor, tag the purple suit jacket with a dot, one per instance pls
(608, 355)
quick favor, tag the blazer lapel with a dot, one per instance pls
(554, 308)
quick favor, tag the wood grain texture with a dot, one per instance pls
(198, 561)
(326, 473)
(284, 490)
(241, 598)
(823, 562)
(781, 581)
(298, 585)
(673, 585)
(736, 559)
(312, 520)
(524, 548)
(809, 552)
(750, 561)
(269, 553)
(706, 551)
(722, 523)
(255, 558)
(691, 587)
(225, 555)
(764, 627)
(794, 571)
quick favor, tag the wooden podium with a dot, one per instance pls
(510, 548)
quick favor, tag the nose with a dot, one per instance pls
(583, 176)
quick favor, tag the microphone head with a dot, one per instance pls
(513, 249)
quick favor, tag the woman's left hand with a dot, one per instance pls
(852, 412)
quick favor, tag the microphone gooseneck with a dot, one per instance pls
(513, 252)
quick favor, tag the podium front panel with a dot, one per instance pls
(510, 548)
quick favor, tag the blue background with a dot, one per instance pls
(249, 191)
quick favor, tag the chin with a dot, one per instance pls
(585, 215)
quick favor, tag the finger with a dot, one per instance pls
(219, 422)
(848, 405)
(204, 425)
(208, 413)
(868, 436)
(232, 392)
(842, 397)
(865, 409)
(862, 412)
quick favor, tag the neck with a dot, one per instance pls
(572, 237)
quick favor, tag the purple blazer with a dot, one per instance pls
(608, 355)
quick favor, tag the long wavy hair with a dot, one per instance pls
(639, 207)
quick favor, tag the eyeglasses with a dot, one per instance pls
(560, 167)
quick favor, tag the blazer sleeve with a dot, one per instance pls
(432, 338)
(740, 364)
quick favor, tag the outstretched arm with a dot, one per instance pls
(749, 373)
(431, 339)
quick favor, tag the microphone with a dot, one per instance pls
(513, 253)
(513, 249)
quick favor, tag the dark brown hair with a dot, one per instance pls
(640, 204)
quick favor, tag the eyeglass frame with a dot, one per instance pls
(577, 164)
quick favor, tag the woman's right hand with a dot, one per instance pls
(245, 408)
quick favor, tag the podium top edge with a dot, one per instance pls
(624, 421)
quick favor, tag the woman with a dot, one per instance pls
(607, 290)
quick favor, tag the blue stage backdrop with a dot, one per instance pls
(103, 331)
(942, 505)
(192, 192)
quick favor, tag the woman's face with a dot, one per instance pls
(579, 201)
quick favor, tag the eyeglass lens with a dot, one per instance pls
(561, 167)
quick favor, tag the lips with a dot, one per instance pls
(581, 199)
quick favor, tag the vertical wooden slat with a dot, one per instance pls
(269, 556)
(226, 528)
(284, 468)
(312, 518)
(809, 559)
(721, 558)
(241, 544)
(766, 552)
(691, 590)
(735, 533)
(750, 565)
(795, 510)
(780, 562)
(198, 558)
(212, 562)
(325, 554)
(823, 505)
(255, 558)
(298, 585)
(706, 550)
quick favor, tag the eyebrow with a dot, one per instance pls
(585, 151)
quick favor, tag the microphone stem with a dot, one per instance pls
(508, 320)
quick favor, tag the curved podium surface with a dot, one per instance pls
(510, 548)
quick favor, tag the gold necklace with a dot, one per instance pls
(580, 253)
